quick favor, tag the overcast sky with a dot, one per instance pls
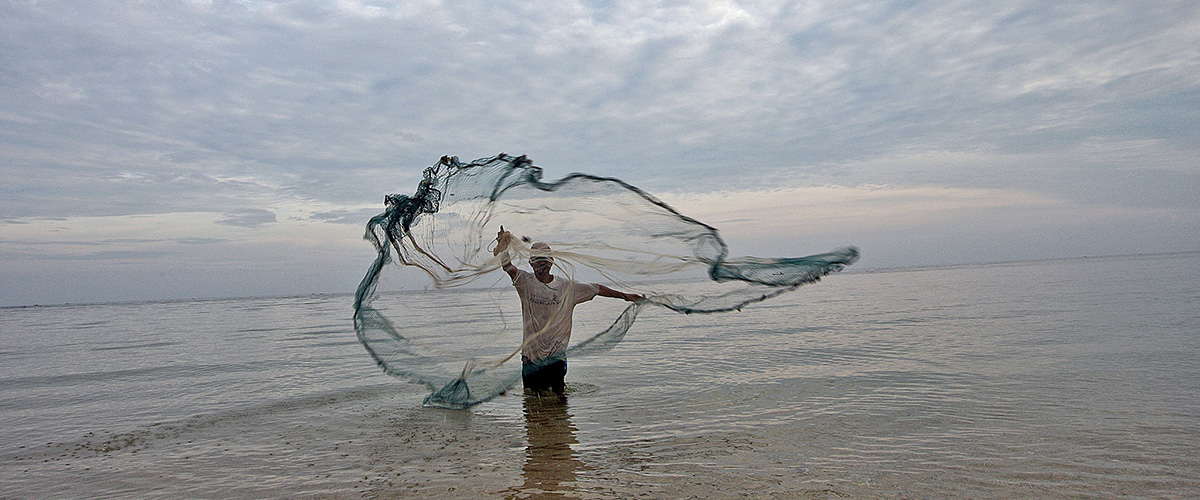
(174, 149)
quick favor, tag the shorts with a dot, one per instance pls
(539, 377)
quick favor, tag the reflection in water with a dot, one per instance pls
(550, 463)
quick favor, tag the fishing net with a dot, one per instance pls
(462, 338)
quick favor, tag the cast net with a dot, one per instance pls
(461, 337)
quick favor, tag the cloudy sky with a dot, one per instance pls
(174, 149)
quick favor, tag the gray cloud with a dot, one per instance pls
(200, 241)
(357, 217)
(316, 97)
(111, 255)
(248, 218)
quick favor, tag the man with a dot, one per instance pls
(547, 304)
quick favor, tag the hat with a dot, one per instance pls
(541, 251)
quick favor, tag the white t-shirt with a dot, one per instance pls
(546, 310)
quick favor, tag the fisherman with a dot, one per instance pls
(547, 303)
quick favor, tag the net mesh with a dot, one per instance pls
(601, 230)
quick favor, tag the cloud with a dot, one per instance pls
(201, 241)
(125, 255)
(248, 218)
(271, 113)
(357, 217)
(316, 95)
(901, 225)
(826, 209)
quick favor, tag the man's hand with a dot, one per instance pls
(503, 240)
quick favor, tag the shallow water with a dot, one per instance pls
(1055, 379)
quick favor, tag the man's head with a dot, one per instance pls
(541, 259)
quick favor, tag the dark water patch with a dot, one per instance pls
(136, 346)
(84, 377)
(105, 442)
(352, 342)
(148, 373)
(261, 330)
(323, 330)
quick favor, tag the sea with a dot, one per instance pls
(1056, 379)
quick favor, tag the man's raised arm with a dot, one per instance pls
(503, 240)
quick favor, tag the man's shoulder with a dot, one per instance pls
(520, 276)
(587, 288)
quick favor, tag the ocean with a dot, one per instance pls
(1069, 378)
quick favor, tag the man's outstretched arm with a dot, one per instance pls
(609, 292)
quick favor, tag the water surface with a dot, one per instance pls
(1074, 378)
